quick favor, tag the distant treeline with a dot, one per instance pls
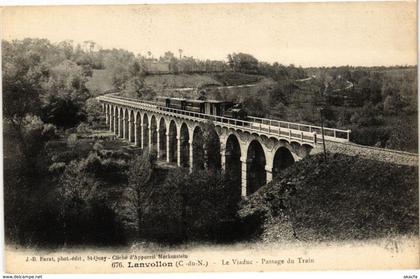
(377, 103)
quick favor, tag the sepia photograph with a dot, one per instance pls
(156, 138)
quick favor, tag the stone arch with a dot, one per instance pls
(198, 148)
(116, 112)
(120, 122)
(153, 132)
(184, 138)
(145, 131)
(295, 148)
(162, 138)
(137, 130)
(131, 126)
(233, 162)
(256, 161)
(283, 158)
(126, 126)
(115, 120)
(212, 148)
(107, 115)
(111, 119)
(303, 151)
(173, 146)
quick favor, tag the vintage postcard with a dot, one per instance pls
(210, 137)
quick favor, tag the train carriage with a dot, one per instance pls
(195, 106)
(210, 107)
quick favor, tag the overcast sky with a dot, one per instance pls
(317, 34)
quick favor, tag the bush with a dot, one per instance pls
(200, 206)
(32, 138)
(95, 116)
(369, 115)
(235, 78)
(57, 168)
(373, 136)
(82, 212)
(49, 216)
(72, 140)
(104, 167)
(404, 136)
(83, 128)
(254, 106)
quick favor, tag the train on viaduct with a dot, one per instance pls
(251, 151)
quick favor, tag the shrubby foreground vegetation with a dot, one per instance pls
(65, 187)
(338, 199)
(97, 196)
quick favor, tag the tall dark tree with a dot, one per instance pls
(243, 62)
(140, 186)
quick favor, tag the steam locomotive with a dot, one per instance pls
(211, 107)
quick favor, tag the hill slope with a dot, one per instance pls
(102, 81)
(343, 199)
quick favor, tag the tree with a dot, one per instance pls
(279, 111)
(211, 147)
(230, 61)
(369, 90)
(135, 88)
(65, 94)
(197, 206)
(404, 136)
(77, 185)
(136, 68)
(242, 62)
(208, 204)
(83, 214)
(167, 56)
(140, 188)
(94, 112)
(254, 106)
(392, 105)
(23, 76)
(279, 94)
(117, 63)
(368, 115)
(31, 138)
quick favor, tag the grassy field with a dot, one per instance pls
(158, 82)
(99, 82)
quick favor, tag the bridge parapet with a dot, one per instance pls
(301, 133)
(330, 134)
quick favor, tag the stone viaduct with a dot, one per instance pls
(251, 152)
